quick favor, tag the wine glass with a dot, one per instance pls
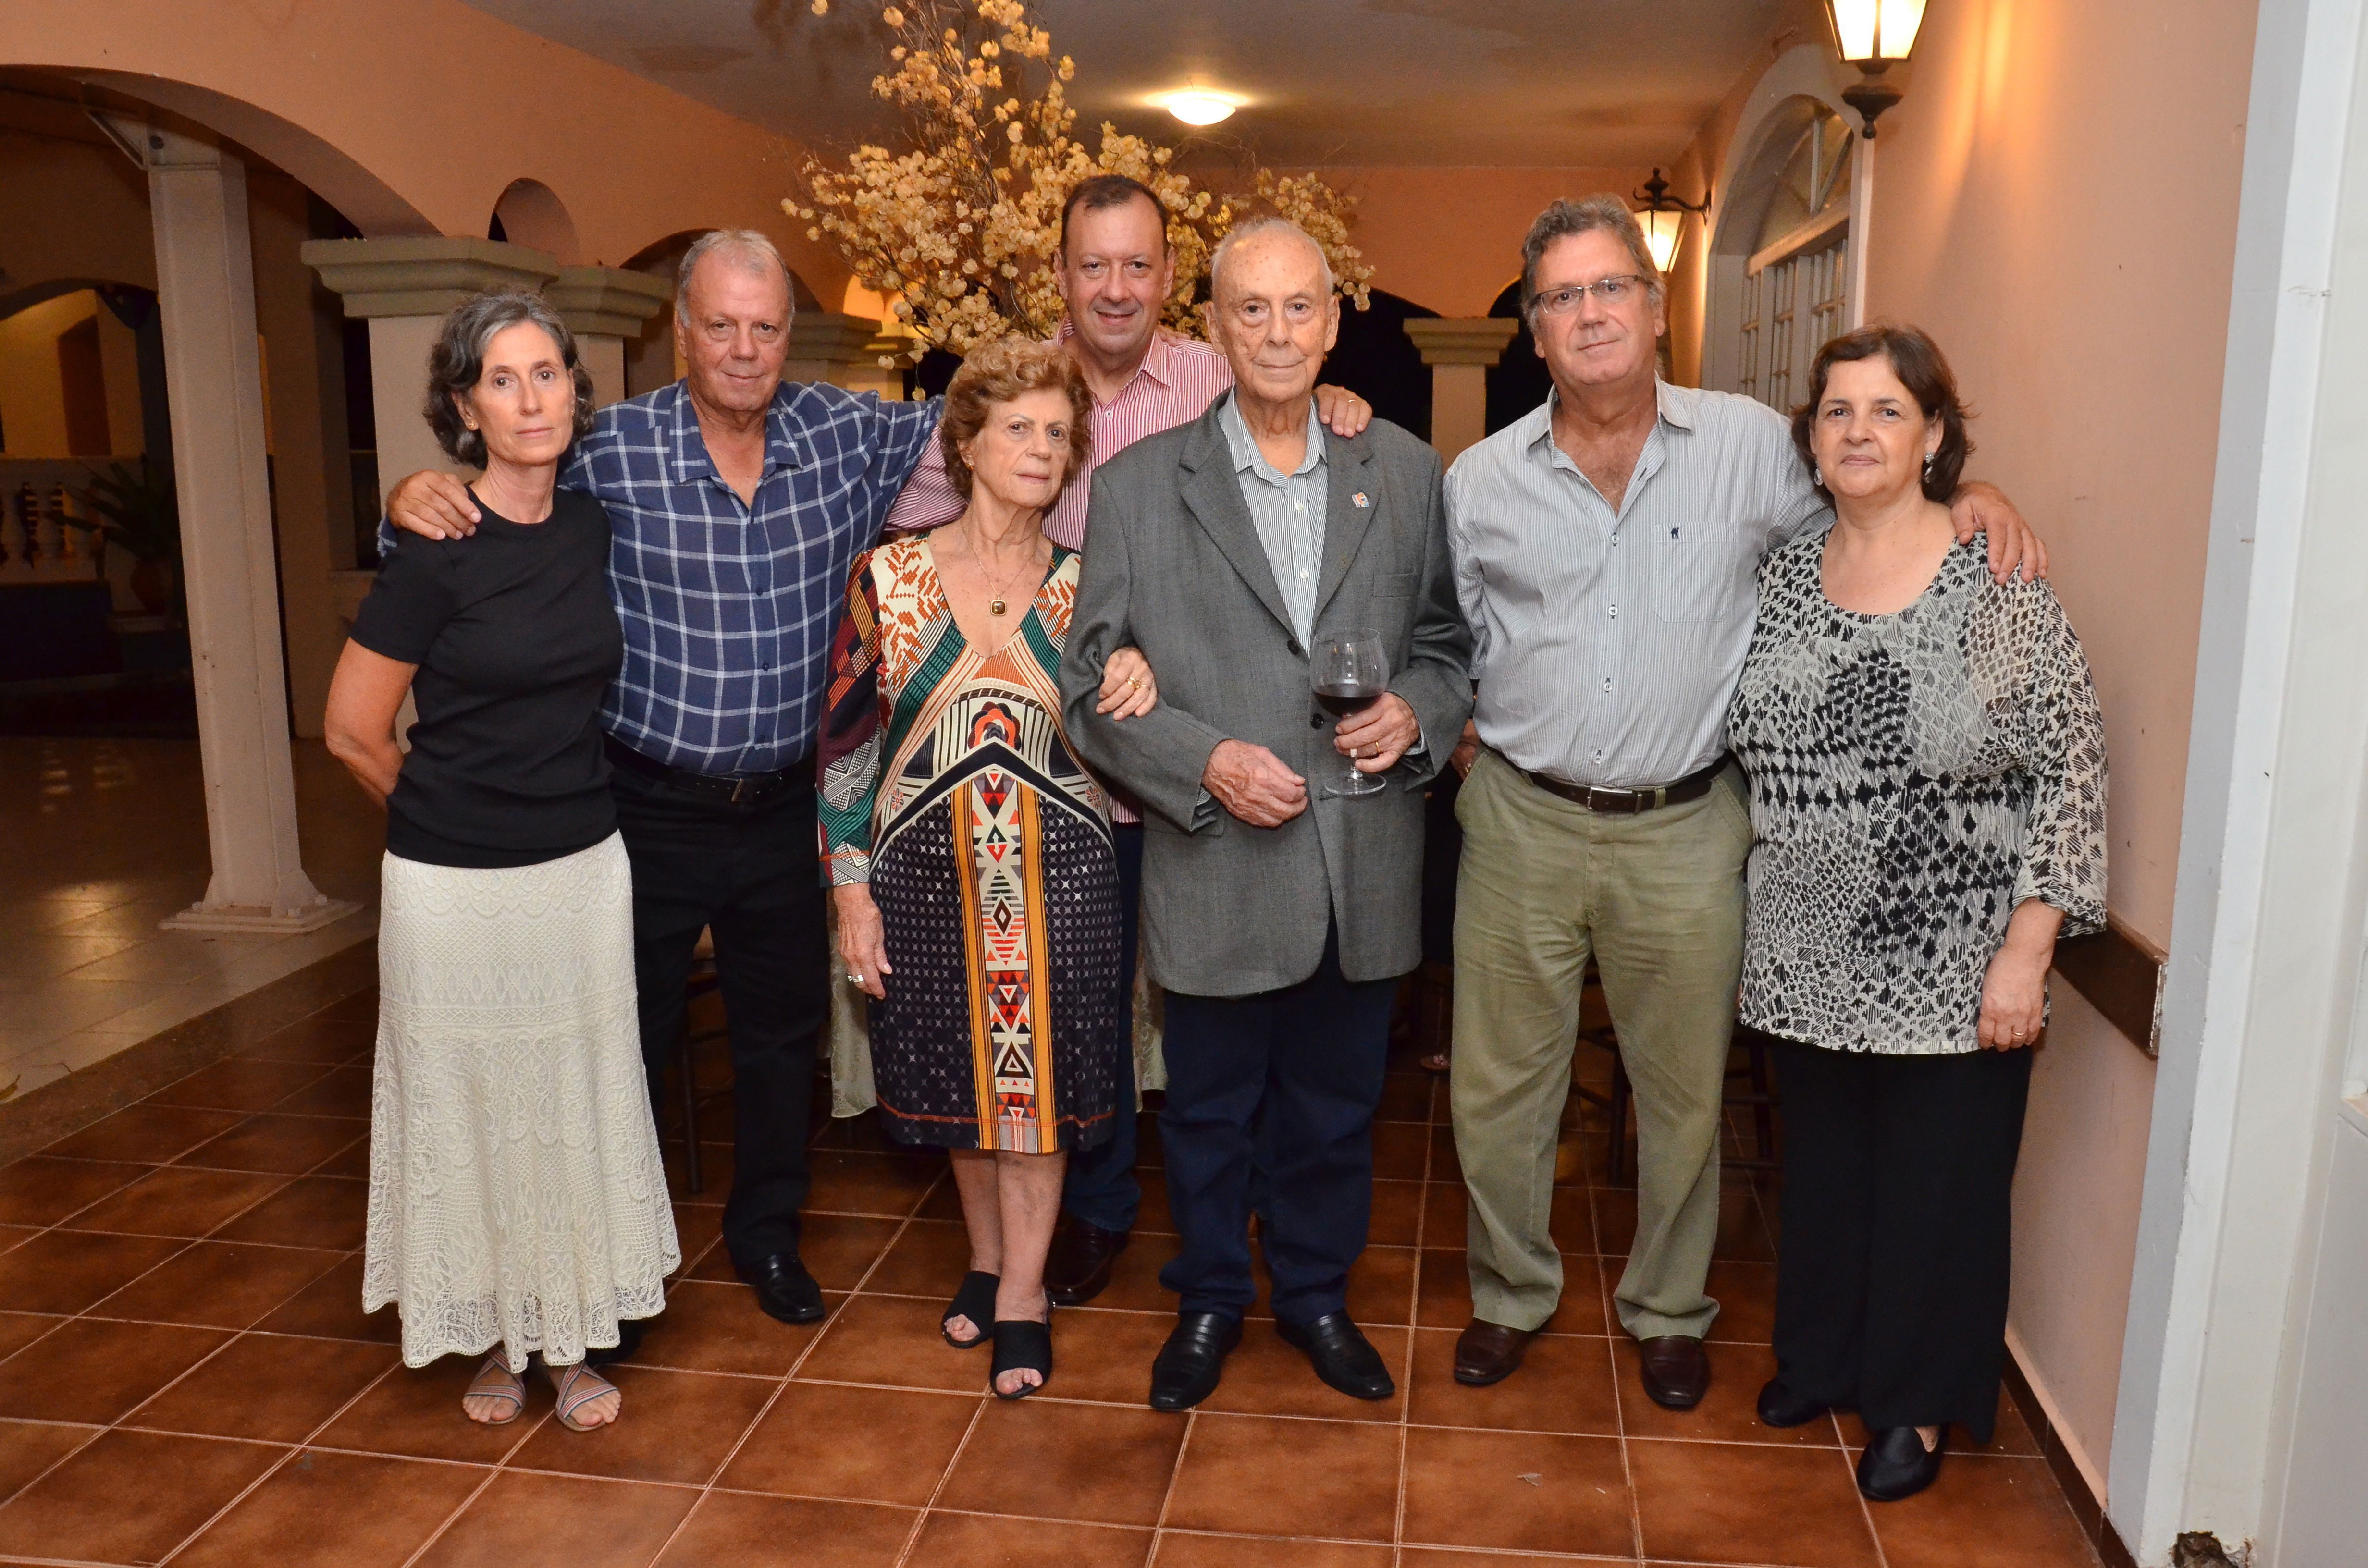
(1349, 673)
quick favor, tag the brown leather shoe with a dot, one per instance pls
(1490, 1352)
(1677, 1372)
(1078, 1267)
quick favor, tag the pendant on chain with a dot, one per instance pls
(995, 607)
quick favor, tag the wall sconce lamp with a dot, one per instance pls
(1875, 36)
(1663, 218)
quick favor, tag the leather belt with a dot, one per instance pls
(1693, 787)
(730, 789)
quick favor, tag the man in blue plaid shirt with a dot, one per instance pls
(739, 504)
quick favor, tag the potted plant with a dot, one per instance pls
(139, 514)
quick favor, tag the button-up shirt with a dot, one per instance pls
(728, 607)
(1288, 509)
(1608, 642)
(1176, 383)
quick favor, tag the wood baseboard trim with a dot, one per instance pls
(2086, 1507)
(66, 1105)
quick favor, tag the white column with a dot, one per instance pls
(604, 306)
(1861, 226)
(205, 274)
(405, 287)
(1461, 351)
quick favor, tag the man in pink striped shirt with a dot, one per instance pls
(1114, 268)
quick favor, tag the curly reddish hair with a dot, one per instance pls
(996, 373)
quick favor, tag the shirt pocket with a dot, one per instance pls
(1702, 574)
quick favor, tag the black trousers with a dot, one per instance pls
(1100, 1187)
(1296, 1076)
(751, 874)
(1890, 1289)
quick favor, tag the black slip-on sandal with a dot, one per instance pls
(1021, 1344)
(975, 1301)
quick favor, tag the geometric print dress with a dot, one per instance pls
(1914, 777)
(948, 785)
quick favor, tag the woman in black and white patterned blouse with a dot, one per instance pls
(1927, 798)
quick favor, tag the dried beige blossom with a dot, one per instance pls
(956, 231)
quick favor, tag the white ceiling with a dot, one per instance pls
(1534, 83)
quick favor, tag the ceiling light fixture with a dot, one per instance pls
(1198, 105)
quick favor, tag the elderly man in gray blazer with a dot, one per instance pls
(1277, 915)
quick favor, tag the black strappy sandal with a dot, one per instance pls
(975, 1301)
(1021, 1344)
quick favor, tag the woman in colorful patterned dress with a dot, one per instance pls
(971, 855)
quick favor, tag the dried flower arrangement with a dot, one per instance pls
(955, 232)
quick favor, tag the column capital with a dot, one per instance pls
(835, 337)
(606, 301)
(422, 275)
(1461, 340)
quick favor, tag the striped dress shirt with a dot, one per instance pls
(1607, 644)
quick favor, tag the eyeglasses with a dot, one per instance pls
(1610, 290)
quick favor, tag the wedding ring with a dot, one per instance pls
(1133, 683)
(853, 978)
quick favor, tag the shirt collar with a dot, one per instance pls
(1674, 406)
(1247, 456)
(785, 444)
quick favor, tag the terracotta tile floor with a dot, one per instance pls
(186, 1376)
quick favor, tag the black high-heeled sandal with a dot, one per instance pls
(1021, 1344)
(975, 1301)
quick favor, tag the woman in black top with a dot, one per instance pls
(517, 1201)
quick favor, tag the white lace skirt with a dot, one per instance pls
(516, 1195)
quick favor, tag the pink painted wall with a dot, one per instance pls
(414, 116)
(1451, 239)
(2055, 201)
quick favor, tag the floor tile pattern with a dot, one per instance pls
(186, 1377)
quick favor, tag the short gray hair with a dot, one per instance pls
(750, 249)
(458, 362)
(1602, 215)
(1251, 230)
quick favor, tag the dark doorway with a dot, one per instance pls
(1519, 381)
(1375, 359)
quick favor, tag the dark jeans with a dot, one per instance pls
(1891, 1291)
(1100, 1187)
(1291, 1077)
(749, 872)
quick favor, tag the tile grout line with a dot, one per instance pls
(1413, 1313)
(1168, 1498)
(781, 1384)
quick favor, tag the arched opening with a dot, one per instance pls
(530, 214)
(1778, 281)
(1375, 359)
(1518, 380)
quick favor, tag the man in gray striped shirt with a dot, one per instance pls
(1607, 549)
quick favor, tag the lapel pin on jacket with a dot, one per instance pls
(1357, 499)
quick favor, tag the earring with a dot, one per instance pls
(1816, 476)
(1928, 464)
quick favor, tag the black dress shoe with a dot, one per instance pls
(1896, 1464)
(1078, 1267)
(784, 1289)
(1676, 1370)
(1344, 1358)
(1186, 1370)
(1488, 1353)
(1779, 1406)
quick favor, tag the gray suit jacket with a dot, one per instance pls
(1174, 566)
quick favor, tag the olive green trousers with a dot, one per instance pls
(1656, 899)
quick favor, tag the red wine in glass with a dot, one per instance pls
(1349, 672)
